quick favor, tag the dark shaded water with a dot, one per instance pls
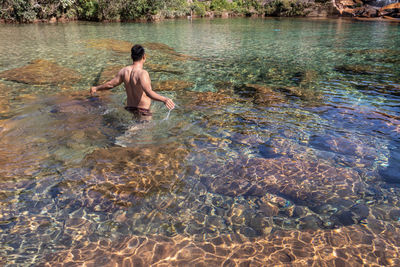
(283, 148)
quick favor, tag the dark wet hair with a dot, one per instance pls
(137, 52)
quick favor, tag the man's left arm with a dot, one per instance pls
(117, 80)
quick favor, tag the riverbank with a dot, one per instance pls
(133, 11)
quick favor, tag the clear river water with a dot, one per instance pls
(284, 147)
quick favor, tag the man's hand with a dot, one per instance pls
(93, 90)
(169, 103)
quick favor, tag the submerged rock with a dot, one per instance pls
(110, 44)
(335, 144)
(355, 69)
(162, 68)
(41, 71)
(209, 99)
(224, 85)
(265, 95)
(4, 102)
(121, 174)
(350, 245)
(159, 47)
(306, 182)
(171, 85)
(168, 51)
(109, 73)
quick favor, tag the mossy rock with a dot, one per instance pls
(171, 85)
(119, 46)
(209, 99)
(162, 68)
(168, 52)
(42, 71)
(265, 95)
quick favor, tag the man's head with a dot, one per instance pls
(137, 53)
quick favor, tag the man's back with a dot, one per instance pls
(134, 79)
(137, 84)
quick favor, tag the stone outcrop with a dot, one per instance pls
(42, 71)
(368, 10)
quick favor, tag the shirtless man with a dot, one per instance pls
(137, 85)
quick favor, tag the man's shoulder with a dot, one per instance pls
(143, 72)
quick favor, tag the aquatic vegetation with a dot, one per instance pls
(42, 71)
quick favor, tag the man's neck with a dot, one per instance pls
(138, 65)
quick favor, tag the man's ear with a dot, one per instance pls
(144, 57)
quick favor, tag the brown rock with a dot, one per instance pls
(4, 101)
(209, 99)
(159, 46)
(110, 44)
(306, 182)
(168, 51)
(355, 69)
(390, 11)
(265, 95)
(171, 85)
(120, 174)
(162, 68)
(41, 71)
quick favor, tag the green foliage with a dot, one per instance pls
(19, 10)
(199, 8)
(285, 8)
(94, 10)
(88, 9)
(219, 5)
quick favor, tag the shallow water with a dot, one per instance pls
(283, 147)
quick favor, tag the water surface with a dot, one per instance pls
(283, 148)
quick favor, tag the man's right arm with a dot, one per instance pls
(146, 85)
(117, 80)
